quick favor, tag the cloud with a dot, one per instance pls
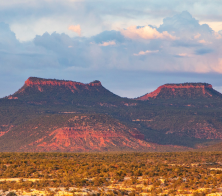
(183, 25)
(146, 32)
(197, 36)
(202, 41)
(7, 37)
(217, 35)
(60, 52)
(184, 55)
(215, 25)
(35, 17)
(204, 51)
(108, 36)
(76, 53)
(64, 50)
(145, 52)
(76, 29)
(110, 43)
(53, 42)
(62, 55)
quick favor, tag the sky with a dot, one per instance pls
(131, 46)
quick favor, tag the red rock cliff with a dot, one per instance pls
(32, 81)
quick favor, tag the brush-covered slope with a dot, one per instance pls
(73, 133)
(182, 91)
(41, 91)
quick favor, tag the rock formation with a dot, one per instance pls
(184, 90)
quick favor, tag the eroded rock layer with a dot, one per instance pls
(75, 133)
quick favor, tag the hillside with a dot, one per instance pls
(36, 117)
(72, 132)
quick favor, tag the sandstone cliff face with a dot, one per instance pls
(185, 90)
(39, 82)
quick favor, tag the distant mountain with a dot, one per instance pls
(41, 91)
(182, 91)
(67, 116)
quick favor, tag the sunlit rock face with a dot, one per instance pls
(40, 83)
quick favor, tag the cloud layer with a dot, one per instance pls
(179, 44)
(30, 18)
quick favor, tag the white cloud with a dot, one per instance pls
(145, 52)
(146, 32)
(76, 29)
(110, 43)
(184, 55)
